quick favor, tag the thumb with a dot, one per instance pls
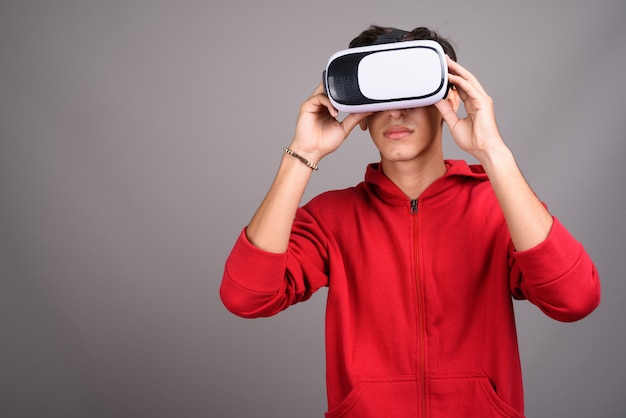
(352, 120)
(448, 112)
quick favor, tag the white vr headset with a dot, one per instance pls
(398, 75)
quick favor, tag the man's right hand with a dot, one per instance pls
(318, 132)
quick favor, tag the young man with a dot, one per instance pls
(421, 259)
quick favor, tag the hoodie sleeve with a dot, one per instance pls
(257, 283)
(557, 275)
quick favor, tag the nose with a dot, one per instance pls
(396, 113)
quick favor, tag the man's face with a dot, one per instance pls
(405, 134)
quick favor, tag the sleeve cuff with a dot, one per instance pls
(254, 269)
(553, 257)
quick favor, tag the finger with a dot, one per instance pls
(323, 97)
(466, 89)
(324, 100)
(457, 69)
(317, 101)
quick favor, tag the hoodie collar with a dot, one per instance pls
(456, 170)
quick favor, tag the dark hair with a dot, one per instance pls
(371, 34)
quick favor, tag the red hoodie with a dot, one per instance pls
(419, 316)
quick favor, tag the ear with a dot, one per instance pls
(453, 98)
(363, 124)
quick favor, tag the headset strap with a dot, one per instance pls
(393, 36)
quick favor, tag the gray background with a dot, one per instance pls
(138, 137)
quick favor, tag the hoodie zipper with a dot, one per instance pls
(421, 321)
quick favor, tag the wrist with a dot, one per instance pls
(499, 163)
(303, 159)
(312, 156)
(495, 154)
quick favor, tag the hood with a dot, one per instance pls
(456, 171)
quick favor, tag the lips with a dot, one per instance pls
(397, 132)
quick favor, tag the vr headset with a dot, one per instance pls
(398, 75)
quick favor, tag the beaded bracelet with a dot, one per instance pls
(301, 158)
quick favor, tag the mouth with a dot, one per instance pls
(397, 132)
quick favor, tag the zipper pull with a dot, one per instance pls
(414, 210)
